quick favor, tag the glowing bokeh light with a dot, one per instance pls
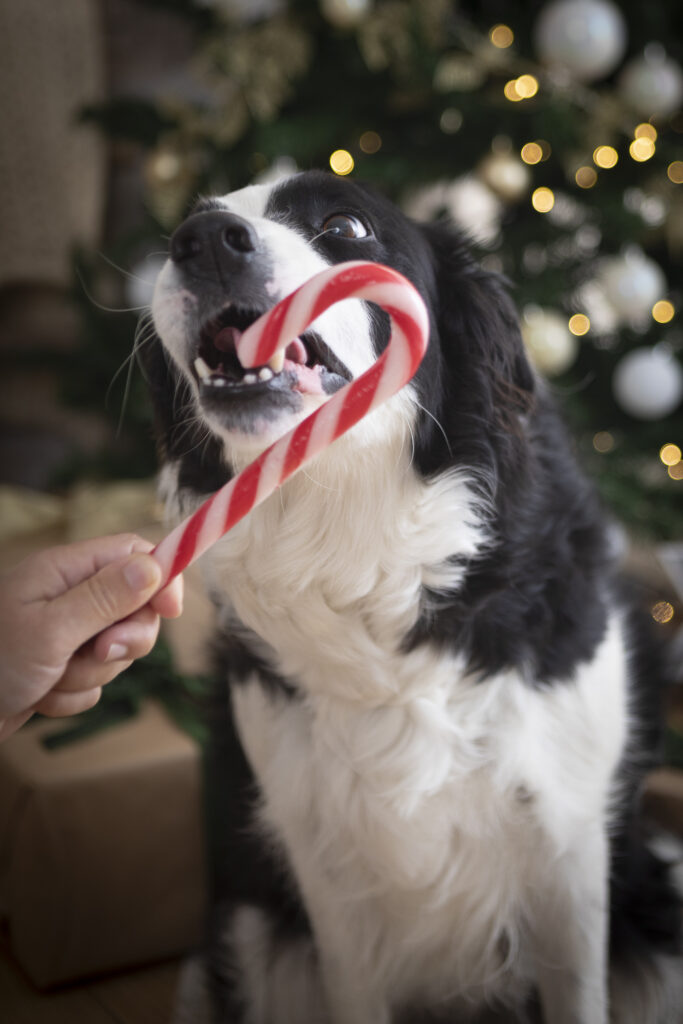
(670, 454)
(579, 324)
(586, 177)
(526, 86)
(646, 131)
(532, 153)
(663, 311)
(502, 36)
(370, 142)
(543, 199)
(603, 441)
(342, 162)
(642, 149)
(605, 156)
(662, 612)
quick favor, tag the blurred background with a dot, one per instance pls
(551, 130)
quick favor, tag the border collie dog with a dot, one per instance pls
(438, 714)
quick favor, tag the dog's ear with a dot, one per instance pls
(479, 329)
(181, 438)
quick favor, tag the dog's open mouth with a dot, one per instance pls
(309, 366)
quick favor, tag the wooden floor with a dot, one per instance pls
(143, 996)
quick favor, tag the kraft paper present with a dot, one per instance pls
(102, 861)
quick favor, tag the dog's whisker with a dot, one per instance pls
(107, 309)
(327, 231)
(128, 273)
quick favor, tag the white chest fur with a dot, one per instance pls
(415, 804)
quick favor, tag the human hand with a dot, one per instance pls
(71, 619)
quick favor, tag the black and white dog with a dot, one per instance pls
(439, 718)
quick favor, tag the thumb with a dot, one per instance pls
(113, 593)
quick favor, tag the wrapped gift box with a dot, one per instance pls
(103, 860)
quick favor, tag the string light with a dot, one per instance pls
(370, 142)
(532, 153)
(579, 324)
(522, 88)
(675, 172)
(642, 149)
(605, 156)
(662, 612)
(646, 131)
(502, 36)
(526, 86)
(543, 199)
(663, 311)
(586, 177)
(510, 91)
(342, 162)
(676, 472)
(670, 454)
(603, 441)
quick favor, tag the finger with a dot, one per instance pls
(98, 602)
(10, 725)
(132, 638)
(59, 705)
(47, 574)
(169, 602)
(85, 672)
(109, 654)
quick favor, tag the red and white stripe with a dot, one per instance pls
(273, 332)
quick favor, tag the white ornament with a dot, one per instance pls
(652, 84)
(586, 38)
(467, 201)
(140, 284)
(648, 383)
(550, 344)
(506, 175)
(345, 13)
(632, 283)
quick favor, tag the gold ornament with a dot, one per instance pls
(258, 65)
(385, 37)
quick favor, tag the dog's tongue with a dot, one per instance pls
(308, 378)
(227, 338)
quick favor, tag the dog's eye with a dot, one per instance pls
(345, 225)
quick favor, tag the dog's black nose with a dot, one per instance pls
(208, 244)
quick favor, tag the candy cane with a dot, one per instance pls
(271, 333)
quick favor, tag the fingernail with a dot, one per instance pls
(117, 652)
(141, 572)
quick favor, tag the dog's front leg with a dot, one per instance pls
(569, 933)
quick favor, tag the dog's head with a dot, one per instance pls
(234, 257)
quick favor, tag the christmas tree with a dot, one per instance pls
(550, 131)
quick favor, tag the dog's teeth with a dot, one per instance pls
(202, 369)
(265, 374)
(277, 361)
(250, 378)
